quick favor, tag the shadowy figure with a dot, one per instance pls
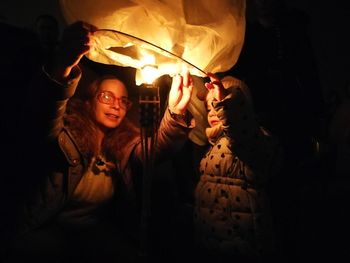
(24, 52)
(48, 32)
(278, 64)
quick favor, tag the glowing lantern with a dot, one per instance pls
(204, 35)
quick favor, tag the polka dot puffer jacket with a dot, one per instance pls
(232, 215)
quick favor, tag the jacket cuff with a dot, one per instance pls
(185, 120)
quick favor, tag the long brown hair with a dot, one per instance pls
(79, 120)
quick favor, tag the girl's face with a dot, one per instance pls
(111, 104)
(212, 117)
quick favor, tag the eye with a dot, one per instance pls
(106, 97)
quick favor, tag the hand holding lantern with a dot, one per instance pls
(216, 87)
(77, 41)
(180, 93)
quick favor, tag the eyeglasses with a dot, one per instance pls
(107, 97)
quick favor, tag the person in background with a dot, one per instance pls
(80, 190)
(48, 32)
(232, 219)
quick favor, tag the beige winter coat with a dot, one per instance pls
(232, 215)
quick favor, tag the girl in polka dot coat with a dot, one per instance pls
(231, 212)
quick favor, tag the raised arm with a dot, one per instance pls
(233, 104)
(77, 40)
(177, 122)
(59, 78)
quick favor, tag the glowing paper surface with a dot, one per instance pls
(207, 34)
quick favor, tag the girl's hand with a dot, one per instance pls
(215, 87)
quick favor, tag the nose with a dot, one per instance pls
(211, 113)
(116, 104)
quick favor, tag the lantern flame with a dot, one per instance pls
(149, 73)
(148, 69)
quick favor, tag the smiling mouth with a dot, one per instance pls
(112, 116)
